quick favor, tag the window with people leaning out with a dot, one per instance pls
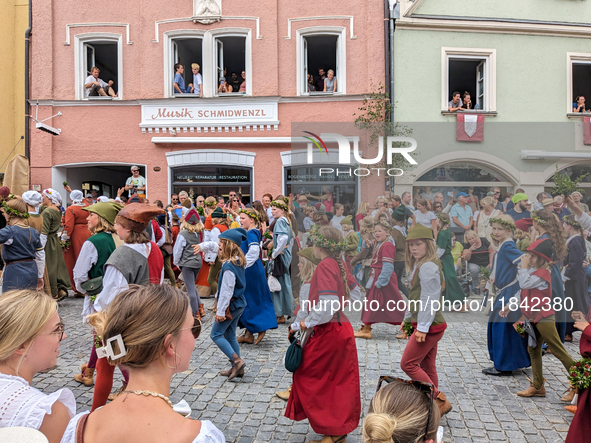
(467, 84)
(581, 87)
(320, 59)
(101, 71)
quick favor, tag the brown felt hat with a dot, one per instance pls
(136, 216)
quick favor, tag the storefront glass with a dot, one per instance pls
(213, 181)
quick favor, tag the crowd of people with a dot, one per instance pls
(299, 260)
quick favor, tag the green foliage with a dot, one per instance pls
(579, 374)
(407, 328)
(563, 184)
(484, 273)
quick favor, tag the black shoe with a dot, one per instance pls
(494, 371)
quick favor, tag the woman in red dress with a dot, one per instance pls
(75, 231)
(381, 302)
(326, 384)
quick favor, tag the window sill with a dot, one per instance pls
(232, 94)
(321, 94)
(578, 115)
(471, 111)
(101, 98)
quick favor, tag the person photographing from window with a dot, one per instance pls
(136, 184)
(224, 87)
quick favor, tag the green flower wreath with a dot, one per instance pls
(504, 223)
(383, 224)
(213, 203)
(536, 217)
(443, 220)
(200, 210)
(322, 242)
(14, 212)
(280, 204)
(573, 223)
(252, 214)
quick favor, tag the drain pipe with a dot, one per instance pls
(27, 107)
(387, 53)
(394, 13)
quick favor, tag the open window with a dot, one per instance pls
(320, 54)
(581, 86)
(471, 72)
(187, 51)
(230, 55)
(103, 55)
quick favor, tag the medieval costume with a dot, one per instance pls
(282, 250)
(75, 231)
(453, 290)
(33, 199)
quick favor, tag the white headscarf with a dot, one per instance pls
(53, 195)
(103, 199)
(76, 196)
(32, 198)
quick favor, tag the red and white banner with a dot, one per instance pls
(470, 127)
(587, 130)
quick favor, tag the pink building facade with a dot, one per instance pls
(205, 145)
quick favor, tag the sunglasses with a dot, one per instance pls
(426, 388)
(59, 330)
(195, 329)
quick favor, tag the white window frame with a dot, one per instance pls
(490, 83)
(169, 61)
(232, 32)
(80, 42)
(341, 67)
(573, 58)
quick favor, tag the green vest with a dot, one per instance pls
(415, 294)
(105, 245)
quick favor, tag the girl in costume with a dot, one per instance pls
(203, 276)
(326, 384)
(536, 305)
(30, 337)
(56, 265)
(137, 262)
(33, 200)
(94, 253)
(453, 290)
(282, 244)
(75, 232)
(259, 314)
(158, 332)
(362, 261)
(187, 261)
(398, 233)
(231, 300)
(575, 286)
(351, 240)
(22, 249)
(506, 348)
(220, 224)
(382, 287)
(547, 225)
(418, 359)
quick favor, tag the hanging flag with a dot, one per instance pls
(587, 130)
(470, 127)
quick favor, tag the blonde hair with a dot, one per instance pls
(308, 269)
(102, 225)
(144, 316)
(220, 221)
(331, 233)
(363, 207)
(399, 413)
(346, 227)
(254, 215)
(231, 251)
(507, 218)
(195, 229)
(518, 234)
(17, 205)
(431, 255)
(308, 210)
(381, 199)
(488, 201)
(336, 207)
(195, 65)
(470, 232)
(23, 314)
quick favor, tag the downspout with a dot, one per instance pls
(27, 107)
(394, 14)
(387, 48)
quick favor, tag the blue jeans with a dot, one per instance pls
(224, 334)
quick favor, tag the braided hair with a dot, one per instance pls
(332, 233)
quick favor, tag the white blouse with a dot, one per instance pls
(208, 433)
(25, 406)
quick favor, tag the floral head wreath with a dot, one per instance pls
(322, 242)
(251, 214)
(536, 217)
(384, 224)
(280, 204)
(504, 223)
(445, 221)
(14, 212)
(571, 222)
(200, 210)
(213, 203)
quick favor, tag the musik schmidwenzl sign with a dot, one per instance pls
(204, 113)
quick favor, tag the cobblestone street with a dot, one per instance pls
(484, 408)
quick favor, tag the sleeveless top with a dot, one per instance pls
(484, 227)
(329, 84)
(25, 406)
(208, 433)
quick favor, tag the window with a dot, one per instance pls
(321, 49)
(471, 71)
(579, 80)
(186, 51)
(307, 179)
(103, 52)
(213, 180)
(231, 63)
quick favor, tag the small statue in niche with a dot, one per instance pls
(207, 11)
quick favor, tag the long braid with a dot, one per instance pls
(344, 277)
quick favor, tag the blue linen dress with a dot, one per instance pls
(259, 314)
(283, 300)
(24, 246)
(506, 348)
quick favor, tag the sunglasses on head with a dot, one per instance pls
(195, 329)
(426, 388)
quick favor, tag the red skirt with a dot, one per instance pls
(201, 282)
(381, 304)
(328, 376)
(580, 427)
